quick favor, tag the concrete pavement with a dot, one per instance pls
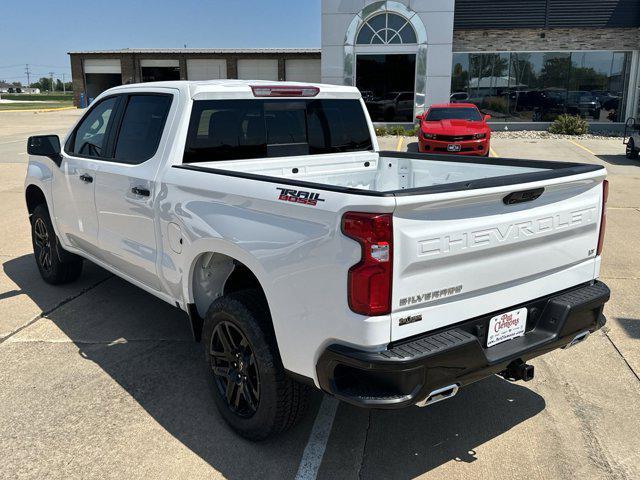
(100, 379)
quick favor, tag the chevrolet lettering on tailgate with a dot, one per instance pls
(508, 233)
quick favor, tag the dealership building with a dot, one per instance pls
(521, 61)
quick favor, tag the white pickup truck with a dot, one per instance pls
(304, 256)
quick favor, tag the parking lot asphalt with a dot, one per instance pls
(100, 379)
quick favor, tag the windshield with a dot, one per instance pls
(437, 114)
(244, 129)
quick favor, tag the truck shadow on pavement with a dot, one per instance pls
(407, 443)
(145, 346)
(619, 160)
(631, 326)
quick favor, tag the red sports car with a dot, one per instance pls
(457, 128)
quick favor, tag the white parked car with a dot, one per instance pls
(304, 256)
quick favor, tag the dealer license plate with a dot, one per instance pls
(506, 326)
(453, 147)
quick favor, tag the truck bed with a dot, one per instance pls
(394, 173)
(455, 227)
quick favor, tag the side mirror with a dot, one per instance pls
(419, 117)
(487, 117)
(45, 146)
(631, 122)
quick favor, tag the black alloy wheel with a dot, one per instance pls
(42, 242)
(55, 264)
(235, 369)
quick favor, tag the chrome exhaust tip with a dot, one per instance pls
(439, 395)
(577, 339)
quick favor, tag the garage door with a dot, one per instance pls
(206, 69)
(258, 69)
(303, 70)
(102, 65)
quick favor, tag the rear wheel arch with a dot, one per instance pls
(213, 275)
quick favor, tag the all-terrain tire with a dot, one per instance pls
(282, 401)
(56, 265)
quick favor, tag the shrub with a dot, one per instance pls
(495, 104)
(396, 130)
(569, 125)
(412, 132)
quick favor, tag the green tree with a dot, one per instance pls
(555, 71)
(44, 84)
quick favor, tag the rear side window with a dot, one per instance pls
(142, 125)
(90, 137)
(244, 129)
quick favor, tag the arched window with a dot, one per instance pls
(386, 28)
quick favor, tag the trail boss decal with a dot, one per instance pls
(299, 196)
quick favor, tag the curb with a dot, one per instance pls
(39, 110)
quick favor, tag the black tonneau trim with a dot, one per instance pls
(553, 170)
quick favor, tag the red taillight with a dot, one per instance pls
(284, 91)
(369, 281)
(603, 218)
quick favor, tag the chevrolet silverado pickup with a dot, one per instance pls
(303, 256)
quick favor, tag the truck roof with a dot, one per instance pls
(203, 89)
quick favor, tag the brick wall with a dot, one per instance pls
(554, 39)
(77, 77)
(129, 69)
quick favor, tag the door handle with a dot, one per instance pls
(143, 192)
(86, 178)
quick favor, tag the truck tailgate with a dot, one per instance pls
(459, 255)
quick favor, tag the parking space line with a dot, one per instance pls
(492, 152)
(582, 147)
(318, 438)
(399, 144)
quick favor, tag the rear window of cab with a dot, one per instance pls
(245, 129)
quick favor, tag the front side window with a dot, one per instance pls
(90, 138)
(244, 129)
(142, 125)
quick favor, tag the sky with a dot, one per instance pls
(40, 33)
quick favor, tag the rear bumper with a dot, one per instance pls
(409, 370)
